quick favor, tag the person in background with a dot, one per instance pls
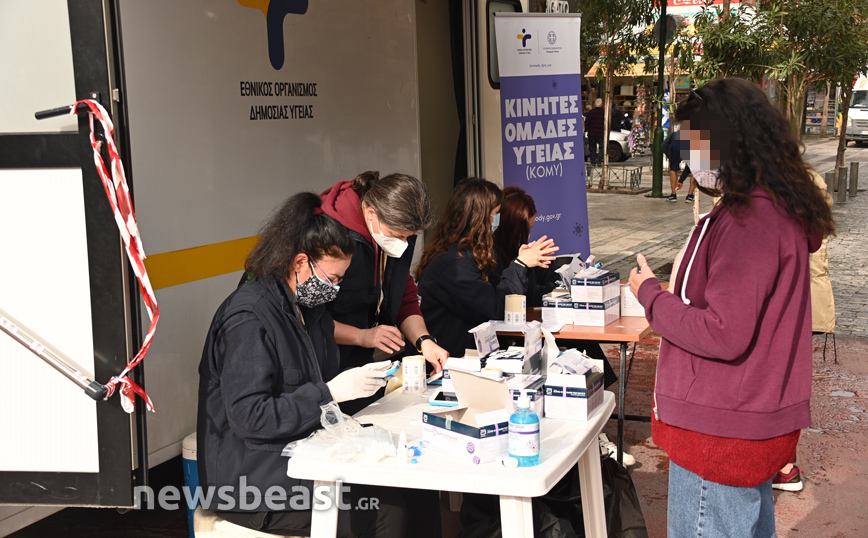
(789, 478)
(453, 274)
(269, 362)
(594, 126)
(517, 217)
(675, 150)
(733, 384)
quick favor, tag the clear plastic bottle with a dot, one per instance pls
(524, 434)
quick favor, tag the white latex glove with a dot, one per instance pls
(359, 382)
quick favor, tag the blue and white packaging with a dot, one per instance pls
(573, 387)
(478, 430)
(595, 286)
(597, 314)
(531, 385)
(557, 307)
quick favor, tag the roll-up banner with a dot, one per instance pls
(541, 122)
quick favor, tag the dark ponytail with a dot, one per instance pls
(364, 181)
(401, 201)
(299, 226)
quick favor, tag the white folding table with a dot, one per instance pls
(563, 444)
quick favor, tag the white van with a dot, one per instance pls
(857, 118)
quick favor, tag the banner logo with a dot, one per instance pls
(553, 38)
(275, 11)
(523, 37)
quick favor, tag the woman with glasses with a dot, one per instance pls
(270, 361)
(733, 385)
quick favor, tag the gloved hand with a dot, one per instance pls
(359, 382)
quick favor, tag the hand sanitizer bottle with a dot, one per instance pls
(524, 434)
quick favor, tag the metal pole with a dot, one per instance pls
(830, 182)
(51, 355)
(657, 165)
(842, 185)
(854, 177)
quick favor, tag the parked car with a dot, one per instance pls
(619, 146)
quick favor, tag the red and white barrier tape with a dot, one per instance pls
(119, 198)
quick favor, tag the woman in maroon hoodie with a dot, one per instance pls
(378, 304)
(733, 382)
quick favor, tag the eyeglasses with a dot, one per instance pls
(694, 94)
(323, 273)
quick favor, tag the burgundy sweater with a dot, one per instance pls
(735, 353)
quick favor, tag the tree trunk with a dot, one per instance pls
(607, 120)
(846, 92)
(725, 14)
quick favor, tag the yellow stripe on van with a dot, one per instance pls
(191, 264)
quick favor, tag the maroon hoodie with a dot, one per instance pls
(735, 353)
(342, 203)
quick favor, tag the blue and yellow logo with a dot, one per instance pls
(275, 11)
(522, 36)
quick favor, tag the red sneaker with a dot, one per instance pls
(791, 481)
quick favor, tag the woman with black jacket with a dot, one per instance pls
(453, 273)
(270, 361)
(517, 214)
(378, 304)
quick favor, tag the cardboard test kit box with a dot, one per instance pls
(595, 286)
(478, 431)
(573, 387)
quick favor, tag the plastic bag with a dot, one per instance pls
(558, 513)
(343, 439)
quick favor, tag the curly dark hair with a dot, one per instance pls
(466, 223)
(298, 227)
(756, 148)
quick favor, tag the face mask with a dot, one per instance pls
(495, 223)
(314, 291)
(392, 246)
(699, 166)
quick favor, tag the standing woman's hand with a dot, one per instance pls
(538, 253)
(637, 278)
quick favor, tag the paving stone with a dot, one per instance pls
(623, 225)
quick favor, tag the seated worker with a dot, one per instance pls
(674, 149)
(453, 274)
(517, 216)
(270, 361)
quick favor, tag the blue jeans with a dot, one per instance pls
(701, 508)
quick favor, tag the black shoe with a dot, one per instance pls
(672, 198)
(690, 198)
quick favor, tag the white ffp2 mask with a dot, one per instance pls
(392, 246)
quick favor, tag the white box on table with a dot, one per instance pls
(630, 305)
(478, 430)
(595, 286)
(557, 307)
(573, 387)
(597, 314)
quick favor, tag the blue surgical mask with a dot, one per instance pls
(495, 223)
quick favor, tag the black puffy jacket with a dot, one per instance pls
(261, 385)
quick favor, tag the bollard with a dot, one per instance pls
(854, 178)
(830, 182)
(842, 185)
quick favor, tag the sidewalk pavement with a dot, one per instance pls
(622, 226)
